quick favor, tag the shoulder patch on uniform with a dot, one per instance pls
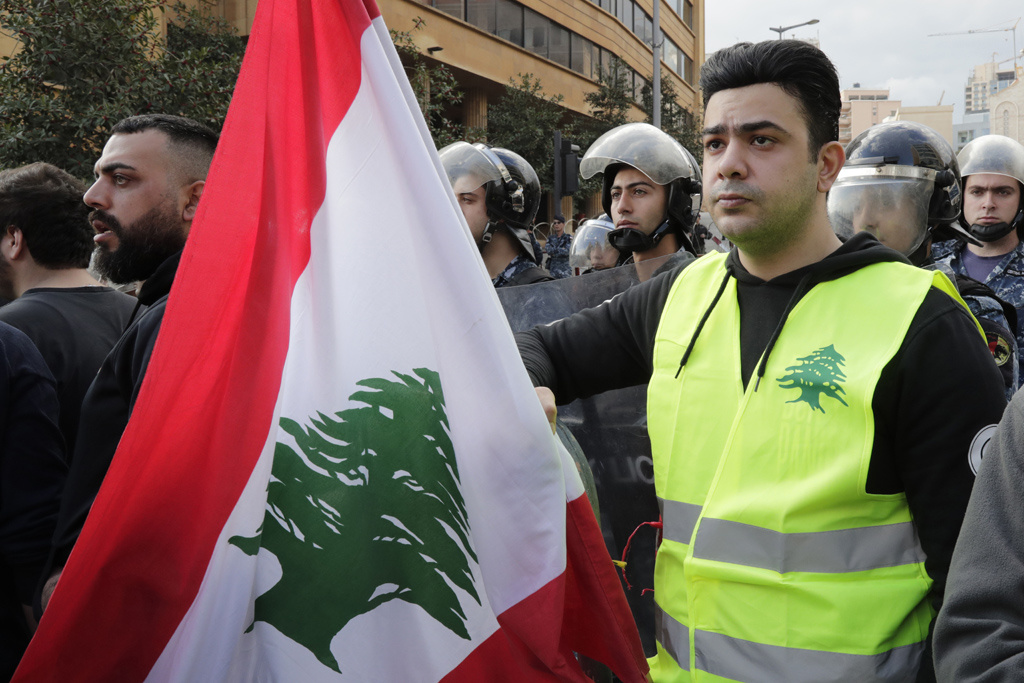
(978, 447)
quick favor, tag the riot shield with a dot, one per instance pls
(611, 428)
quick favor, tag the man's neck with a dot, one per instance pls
(1003, 245)
(55, 279)
(499, 252)
(812, 245)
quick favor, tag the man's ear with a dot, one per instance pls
(830, 161)
(192, 193)
(12, 243)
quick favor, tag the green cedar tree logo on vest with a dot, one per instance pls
(367, 510)
(817, 374)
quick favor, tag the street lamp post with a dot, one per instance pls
(783, 29)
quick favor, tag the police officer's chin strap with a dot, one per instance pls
(489, 231)
(997, 231)
(631, 239)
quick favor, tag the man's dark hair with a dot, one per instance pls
(45, 203)
(192, 141)
(800, 69)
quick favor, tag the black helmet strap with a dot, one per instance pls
(515, 197)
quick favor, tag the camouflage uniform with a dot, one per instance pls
(1006, 280)
(516, 266)
(557, 248)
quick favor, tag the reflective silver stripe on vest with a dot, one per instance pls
(678, 519)
(828, 552)
(673, 637)
(743, 660)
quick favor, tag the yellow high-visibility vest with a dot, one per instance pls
(776, 564)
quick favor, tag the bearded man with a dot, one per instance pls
(149, 180)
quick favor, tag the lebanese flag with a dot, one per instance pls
(337, 469)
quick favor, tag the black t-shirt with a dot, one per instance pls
(74, 329)
(33, 474)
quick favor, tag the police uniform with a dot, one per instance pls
(1006, 280)
(521, 271)
(557, 249)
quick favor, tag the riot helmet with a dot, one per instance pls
(997, 155)
(591, 249)
(900, 182)
(663, 160)
(512, 189)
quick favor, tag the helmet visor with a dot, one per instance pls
(643, 147)
(894, 210)
(467, 167)
(590, 248)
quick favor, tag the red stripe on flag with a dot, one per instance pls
(206, 405)
(585, 612)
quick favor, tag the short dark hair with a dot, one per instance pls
(45, 203)
(194, 142)
(800, 69)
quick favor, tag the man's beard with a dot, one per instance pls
(142, 247)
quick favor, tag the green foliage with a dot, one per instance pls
(525, 121)
(84, 65)
(609, 105)
(676, 120)
(366, 509)
(817, 374)
(435, 88)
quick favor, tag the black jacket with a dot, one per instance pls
(105, 411)
(939, 390)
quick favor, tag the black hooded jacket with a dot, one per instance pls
(939, 390)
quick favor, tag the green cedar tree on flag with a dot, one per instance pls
(337, 469)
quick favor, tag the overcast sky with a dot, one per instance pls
(883, 43)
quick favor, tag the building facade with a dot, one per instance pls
(863, 108)
(938, 117)
(973, 126)
(986, 81)
(563, 43)
(1007, 111)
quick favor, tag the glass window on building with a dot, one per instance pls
(585, 57)
(451, 7)
(677, 6)
(637, 27)
(608, 6)
(648, 34)
(510, 21)
(638, 88)
(671, 56)
(558, 50)
(688, 13)
(535, 32)
(626, 13)
(687, 73)
(481, 13)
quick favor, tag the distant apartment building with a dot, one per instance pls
(986, 81)
(863, 108)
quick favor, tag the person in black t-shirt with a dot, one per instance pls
(45, 248)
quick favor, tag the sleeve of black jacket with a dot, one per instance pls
(32, 462)
(105, 412)
(940, 391)
(599, 349)
(979, 636)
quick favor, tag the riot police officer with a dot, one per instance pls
(993, 211)
(651, 189)
(901, 183)
(499, 194)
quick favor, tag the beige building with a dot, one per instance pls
(939, 117)
(985, 82)
(564, 43)
(863, 108)
(1007, 111)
